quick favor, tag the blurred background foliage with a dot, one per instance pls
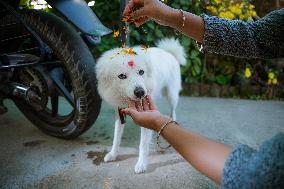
(204, 74)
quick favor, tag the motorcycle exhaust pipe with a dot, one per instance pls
(20, 91)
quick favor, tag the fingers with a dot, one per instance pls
(130, 112)
(145, 104)
(132, 4)
(131, 104)
(138, 106)
(141, 21)
(135, 105)
(138, 14)
(152, 105)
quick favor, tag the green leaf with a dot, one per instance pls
(222, 80)
(150, 37)
(136, 34)
(185, 41)
(196, 68)
(176, 5)
(151, 25)
(159, 33)
(193, 54)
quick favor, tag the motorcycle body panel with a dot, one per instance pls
(81, 15)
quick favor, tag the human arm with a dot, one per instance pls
(204, 154)
(242, 167)
(252, 39)
(246, 39)
(141, 11)
(250, 168)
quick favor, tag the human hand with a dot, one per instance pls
(145, 114)
(140, 11)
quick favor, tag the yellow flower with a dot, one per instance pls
(235, 9)
(116, 33)
(271, 75)
(242, 17)
(212, 9)
(253, 13)
(227, 15)
(251, 6)
(269, 82)
(217, 1)
(274, 81)
(128, 51)
(144, 47)
(247, 73)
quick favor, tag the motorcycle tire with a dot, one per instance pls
(78, 63)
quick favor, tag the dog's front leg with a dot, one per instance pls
(118, 131)
(144, 148)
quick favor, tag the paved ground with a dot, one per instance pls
(30, 159)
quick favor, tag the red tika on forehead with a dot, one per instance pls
(131, 63)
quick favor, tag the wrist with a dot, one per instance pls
(159, 122)
(164, 14)
(171, 16)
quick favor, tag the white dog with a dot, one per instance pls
(124, 75)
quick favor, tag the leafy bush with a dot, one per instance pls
(206, 69)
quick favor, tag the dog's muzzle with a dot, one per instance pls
(139, 92)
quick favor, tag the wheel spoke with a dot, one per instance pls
(56, 76)
(54, 104)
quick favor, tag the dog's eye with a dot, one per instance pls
(122, 76)
(141, 72)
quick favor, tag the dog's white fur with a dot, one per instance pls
(161, 66)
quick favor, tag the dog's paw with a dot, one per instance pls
(110, 157)
(140, 167)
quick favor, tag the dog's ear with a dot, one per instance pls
(104, 80)
(149, 67)
(150, 77)
(103, 75)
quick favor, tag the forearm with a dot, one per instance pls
(246, 39)
(193, 25)
(204, 154)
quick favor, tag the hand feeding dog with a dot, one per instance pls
(153, 71)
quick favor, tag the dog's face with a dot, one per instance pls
(122, 78)
(129, 77)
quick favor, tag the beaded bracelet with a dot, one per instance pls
(159, 134)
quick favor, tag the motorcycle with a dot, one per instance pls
(46, 66)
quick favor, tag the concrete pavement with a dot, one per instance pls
(31, 159)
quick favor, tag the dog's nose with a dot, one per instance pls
(139, 92)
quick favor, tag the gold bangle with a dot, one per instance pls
(159, 134)
(183, 21)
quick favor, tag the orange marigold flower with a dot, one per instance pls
(116, 33)
(145, 47)
(126, 19)
(128, 51)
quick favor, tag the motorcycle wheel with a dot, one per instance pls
(77, 64)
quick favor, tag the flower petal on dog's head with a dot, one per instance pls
(128, 51)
